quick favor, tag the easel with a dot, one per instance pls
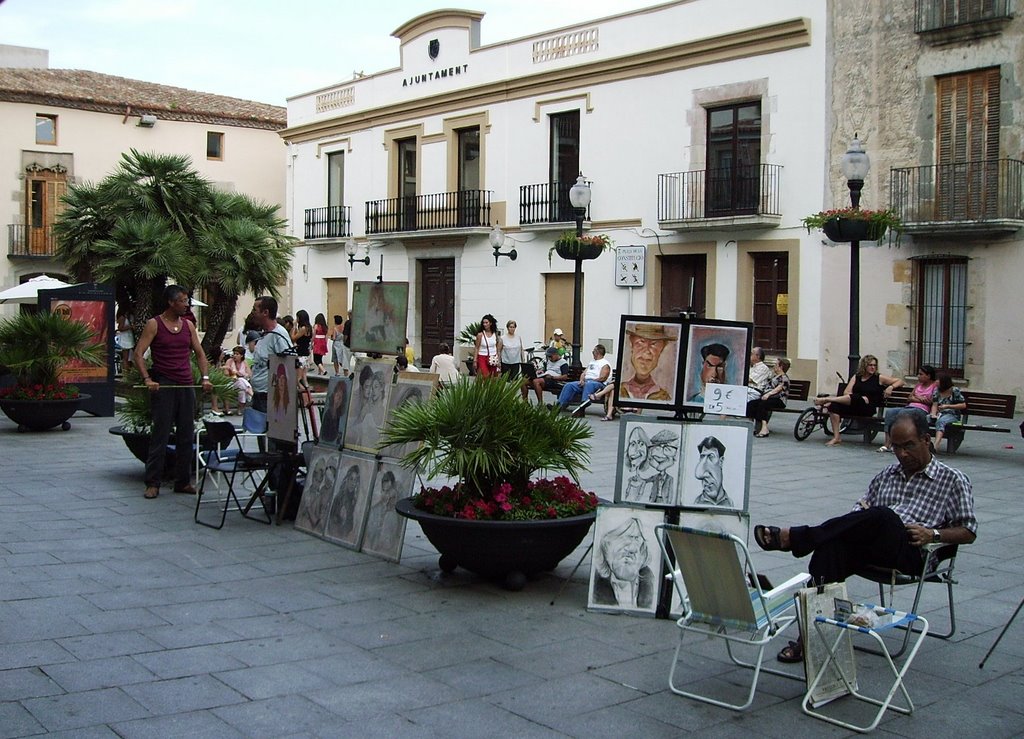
(1001, 634)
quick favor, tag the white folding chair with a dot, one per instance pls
(719, 603)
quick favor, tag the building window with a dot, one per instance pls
(940, 314)
(565, 163)
(771, 301)
(336, 179)
(733, 160)
(46, 129)
(967, 138)
(407, 183)
(214, 145)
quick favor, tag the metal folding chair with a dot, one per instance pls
(717, 600)
(938, 568)
(227, 457)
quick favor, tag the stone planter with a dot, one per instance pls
(504, 550)
(851, 229)
(41, 415)
(573, 251)
(138, 445)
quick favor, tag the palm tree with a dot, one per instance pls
(156, 219)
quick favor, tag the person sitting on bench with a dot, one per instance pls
(556, 371)
(916, 501)
(593, 379)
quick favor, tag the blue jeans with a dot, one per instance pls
(573, 391)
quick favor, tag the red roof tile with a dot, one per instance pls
(83, 90)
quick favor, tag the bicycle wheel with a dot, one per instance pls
(844, 425)
(805, 424)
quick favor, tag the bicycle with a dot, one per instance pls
(814, 417)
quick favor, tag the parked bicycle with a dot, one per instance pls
(814, 417)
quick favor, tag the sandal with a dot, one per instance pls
(833, 442)
(608, 418)
(151, 492)
(792, 652)
(762, 435)
(769, 538)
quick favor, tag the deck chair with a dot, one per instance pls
(227, 457)
(718, 602)
(938, 568)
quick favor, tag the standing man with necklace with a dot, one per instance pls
(171, 339)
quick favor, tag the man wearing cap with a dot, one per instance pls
(646, 343)
(556, 371)
(712, 370)
(662, 453)
(558, 342)
(709, 472)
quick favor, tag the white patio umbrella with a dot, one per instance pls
(28, 292)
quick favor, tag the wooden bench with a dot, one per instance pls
(990, 405)
(798, 390)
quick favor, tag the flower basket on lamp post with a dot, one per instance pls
(571, 247)
(847, 225)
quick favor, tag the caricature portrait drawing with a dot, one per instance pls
(649, 363)
(625, 567)
(716, 462)
(649, 469)
(716, 353)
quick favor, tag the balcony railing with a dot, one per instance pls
(547, 202)
(30, 241)
(719, 193)
(460, 209)
(331, 222)
(939, 15)
(983, 195)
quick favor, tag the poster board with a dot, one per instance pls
(380, 311)
(93, 305)
(411, 387)
(321, 481)
(647, 369)
(346, 517)
(715, 352)
(367, 409)
(282, 400)
(334, 422)
(384, 530)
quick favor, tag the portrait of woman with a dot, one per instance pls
(385, 529)
(347, 514)
(368, 405)
(335, 418)
(316, 497)
(282, 406)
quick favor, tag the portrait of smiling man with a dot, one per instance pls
(647, 343)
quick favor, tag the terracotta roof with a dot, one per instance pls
(83, 90)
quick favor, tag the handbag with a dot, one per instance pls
(492, 359)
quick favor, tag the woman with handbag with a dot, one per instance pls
(488, 348)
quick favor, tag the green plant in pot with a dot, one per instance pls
(855, 224)
(35, 348)
(489, 446)
(467, 338)
(570, 246)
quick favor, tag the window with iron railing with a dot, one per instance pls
(460, 209)
(939, 314)
(330, 222)
(933, 15)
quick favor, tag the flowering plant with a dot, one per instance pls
(546, 498)
(569, 241)
(56, 391)
(483, 435)
(881, 219)
(35, 348)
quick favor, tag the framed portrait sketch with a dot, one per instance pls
(282, 400)
(335, 418)
(370, 386)
(384, 531)
(347, 514)
(722, 522)
(648, 363)
(716, 465)
(379, 314)
(625, 569)
(715, 352)
(316, 496)
(412, 387)
(649, 461)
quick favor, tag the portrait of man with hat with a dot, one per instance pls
(646, 343)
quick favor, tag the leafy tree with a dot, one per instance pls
(154, 219)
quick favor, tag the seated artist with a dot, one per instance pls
(556, 372)
(915, 501)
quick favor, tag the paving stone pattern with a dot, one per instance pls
(120, 617)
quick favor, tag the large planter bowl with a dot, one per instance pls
(578, 251)
(506, 550)
(41, 415)
(852, 229)
(138, 445)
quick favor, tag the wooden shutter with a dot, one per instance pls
(967, 151)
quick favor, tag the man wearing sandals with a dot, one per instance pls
(916, 501)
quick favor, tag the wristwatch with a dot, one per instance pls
(936, 536)
(206, 377)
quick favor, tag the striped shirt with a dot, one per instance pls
(936, 497)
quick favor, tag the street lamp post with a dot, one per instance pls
(855, 165)
(579, 198)
(351, 249)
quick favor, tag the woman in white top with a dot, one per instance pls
(511, 351)
(488, 348)
(444, 366)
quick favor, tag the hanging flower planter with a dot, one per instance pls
(572, 247)
(852, 224)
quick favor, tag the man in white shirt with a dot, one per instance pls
(592, 380)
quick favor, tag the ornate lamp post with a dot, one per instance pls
(579, 198)
(855, 165)
(351, 248)
(497, 239)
